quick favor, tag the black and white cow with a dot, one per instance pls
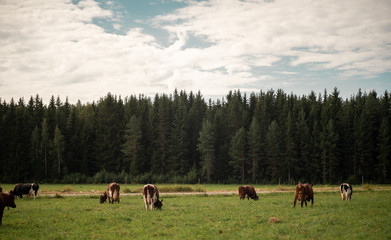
(346, 191)
(151, 197)
(25, 189)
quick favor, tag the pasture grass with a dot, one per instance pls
(367, 216)
(169, 188)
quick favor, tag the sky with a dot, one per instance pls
(84, 49)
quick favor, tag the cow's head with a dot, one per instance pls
(11, 201)
(300, 191)
(103, 198)
(158, 204)
(256, 197)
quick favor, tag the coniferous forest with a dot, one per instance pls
(267, 137)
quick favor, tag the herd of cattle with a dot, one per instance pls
(303, 193)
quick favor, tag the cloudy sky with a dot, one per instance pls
(85, 49)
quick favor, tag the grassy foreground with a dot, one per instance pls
(367, 216)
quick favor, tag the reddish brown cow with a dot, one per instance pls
(6, 200)
(151, 197)
(304, 193)
(112, 192)
(248, 191)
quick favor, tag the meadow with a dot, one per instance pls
(201, 216)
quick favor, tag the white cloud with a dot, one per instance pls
(53, 47)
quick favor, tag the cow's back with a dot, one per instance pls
(113, 192)
(150, 191)
(151, 197)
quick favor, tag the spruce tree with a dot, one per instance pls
(132, 146)
(254, 144)
(58, 142)
(238, 154)
(207, 149)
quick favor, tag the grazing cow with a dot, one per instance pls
(6, 200)
(248, 191)
(304, 193)
(112, 192)
(151, 197)
(346, 191)
(25, 189)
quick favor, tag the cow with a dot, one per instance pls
(6, 200)
(112, 192)
(346, 191)
(151, 197)
(25, 189)
(304, 193)
(248, 191)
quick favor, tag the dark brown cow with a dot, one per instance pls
(112, 192)
(304, 193)
(6, 200)
(151, 197)
(248, 191)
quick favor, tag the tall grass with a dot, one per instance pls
(367, 216)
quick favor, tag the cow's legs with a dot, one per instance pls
(146, 203)
(1, 214)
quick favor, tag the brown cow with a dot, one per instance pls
(248, 191)
(151, 197)
(112, 192)
(6, 200)
(304, 193)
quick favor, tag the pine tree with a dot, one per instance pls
(328, 145)
(179, 136)
(303, 142)
(132, 146)
(254, 143)
(45, 145)
(222, 142)
(162, 130)
(36, 153)
(384, 145)
(58, 142)
(273, 153)
(207, 149)
(238, 153)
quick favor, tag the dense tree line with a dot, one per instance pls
(267, 137)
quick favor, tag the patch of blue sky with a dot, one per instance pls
(300, 79)
(137, 14)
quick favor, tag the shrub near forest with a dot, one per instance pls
(202, 217)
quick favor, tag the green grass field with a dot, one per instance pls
(136, 188)
(367, 216)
